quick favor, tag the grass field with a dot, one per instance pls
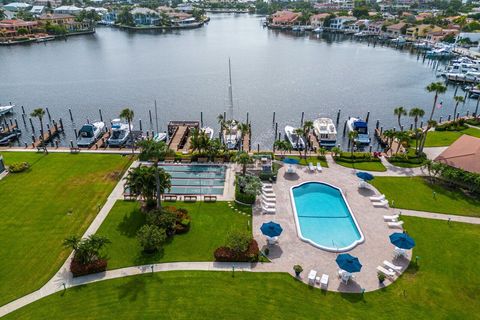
(364, 165)
(417, 193)
(444, 285)
(209, 227)
(446, 138)
(58, 196)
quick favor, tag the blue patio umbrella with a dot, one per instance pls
(402, 240)
(290, 161)
(365, 176)
(348, 263)
(271, 229)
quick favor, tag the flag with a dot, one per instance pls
(440, 105)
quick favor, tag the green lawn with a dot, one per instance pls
(59, 196)
(417, 193)
(446, 138)
(364, 165)
(304, 162)
(443, 286)
(210, 224)
(412, 162)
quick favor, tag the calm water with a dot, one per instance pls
(186, 72)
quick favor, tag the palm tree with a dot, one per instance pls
(244, 129)
(416, 113)
(457, 99)
(128, 114)
(390, 135)
(307, 127)
(243, 158)
(402, 137)
(195, 140)
(430, 124)
(352, 135)
(438, 88)
(40, 113)
(299, 133)
(155, 151)
(280, 145)
(86, 250)
(399, 112)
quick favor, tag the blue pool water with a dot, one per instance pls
(196, 179)
(324, 218)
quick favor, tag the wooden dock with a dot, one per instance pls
(102, 142)
(177, 138)
(9, 128)
(313, 141)
(47, 136)
(392, 148)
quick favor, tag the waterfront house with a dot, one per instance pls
(357, 26)
(17, 6)
(66, 20)
(437, 36)
(343, 4)
(396, 29)
(375, 28)
(341, 23)
(145, 17)
(421, 31)
(53, 3)
(37, 10)
(463, 154)
(317, 19)
(9, 28)
(285, 18)
(326, 7)
(73, 10)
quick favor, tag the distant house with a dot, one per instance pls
(37, 10)
(145, 16)
(53, 3)
(463, 154)
(73, 10)
(375, 27)
(343, 4)
(285, 18)
(17, 6)
(317, 19)
(358, 26)
(437, 36)
(66, 20)
(10, 27)
(421, 31)
(340, 23)
(395, 30)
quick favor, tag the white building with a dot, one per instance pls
(37, 10)
(73, 10)
(339, 23)
(17, 6)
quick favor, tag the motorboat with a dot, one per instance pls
(361, 127)
(318, 30)
(89, 133)
(120, 133)
(439, 53)
(325, 131)
(161, 136)
(6, 109)
(297, 142)
(399, 40)
(208, 132)
(231, 135)
(6, 135)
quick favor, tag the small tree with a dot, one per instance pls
(151, 238)
(352, 136)
(399, 112)
(40, 113)
(438, 88)
(238, 241)
(87, 250)
(336, 151)
(243, 158)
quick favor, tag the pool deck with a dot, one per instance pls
(290, 250)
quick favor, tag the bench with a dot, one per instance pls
(169, 197)
(189, 198)
(209, 198)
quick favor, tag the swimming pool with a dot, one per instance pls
(324, 218)
(196, 179)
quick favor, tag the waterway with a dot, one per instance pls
(186, 72)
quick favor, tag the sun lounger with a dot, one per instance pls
(290, 169)
(393, 267)
(267, 190)
(363, 185)
(393, 218)
(269, 199)
(388, 273)
(324, 280)
(267, 185)
(397, 224)
(311, 276)
(319, 167)
(268, 210)
(378, 198)
(311, 167)
(269, 195)
(268, 204)
(383, 203)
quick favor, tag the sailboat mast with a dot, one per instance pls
(230, 92)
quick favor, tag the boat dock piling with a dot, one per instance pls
(100, 113)
(392, 147)
(102, 142)
(338, 116)
(301, 121)
(179, 132)
(47, 136)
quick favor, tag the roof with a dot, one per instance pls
(67, 8)
(397, 26)
(18, 5)
(463, 154)
(285, 16)
(37, 9)
(54, 16)
(143, 11)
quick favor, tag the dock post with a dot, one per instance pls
(61, 124)
(76, 133)
(377, 124)
(16, 123)
(394, 129)
(140, 123)
(449, 116)
(101, 116)
(344, 127)
(26, 145)
(458, 115)
(23, 118)
(338, 116)
(440, 120)
(411, 126)
(258, 147)
(48, 114)
(421, 124)
(55, 125)
(381, 130)
(225, 115)
(56, 144)
(71, 144)
(468, 113)
(367, 117)
(23, 110)
(31, 124)
(401, 127)
(276, 129)
(70, 112)
(11, 122)
(150, 118)
(247, 117)
(88, 121)
(49, 132)
(465, 96)
(273, 117)
(301, 121)
(370, 148)
(201, 119)
(33, 139)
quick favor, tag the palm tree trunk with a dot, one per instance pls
(157, 178)
(416, 135)
(434, 104)
(455, 112)
(244, 169)
(399, 123)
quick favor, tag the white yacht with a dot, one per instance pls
(318, 30)
(325, 131)
(297, 142)
(161, 136)
(6, 109)
(208, 131)
(120, 133)
(231, 135)
(89, 133)
(361, 127)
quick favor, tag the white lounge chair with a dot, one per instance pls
(311, 276)
(378, 198)
(379, 204)
(268, 210)
(268, 204)
(267, 185)
(344, 275)
(267, 190)
(388, 273)
(290, 169)
(324, 281)
(392, 266)
(393, 218)
(319, 167)
(311, 167)
(269, 199)
(269, 195)
(363, 185)
(397, 224)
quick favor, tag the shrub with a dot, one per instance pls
(298, 269)
(225, 254)
(151, 238)
(238, 241)
(247, 188)
(79, 269)
(381, 277)
(173, 220)
(18, 167)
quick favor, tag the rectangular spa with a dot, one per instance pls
(196, 179)
(323, 217)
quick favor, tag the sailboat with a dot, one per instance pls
(231, 133)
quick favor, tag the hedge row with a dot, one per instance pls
(224, 254)
(79, 269)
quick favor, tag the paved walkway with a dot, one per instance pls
(440, 216)
(434, 152)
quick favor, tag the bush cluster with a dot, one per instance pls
(457, 125)
(18, 167)
(79, 269)
(357, 157)
(226, 254)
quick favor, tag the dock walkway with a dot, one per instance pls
(392, 147)
(178, 137)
